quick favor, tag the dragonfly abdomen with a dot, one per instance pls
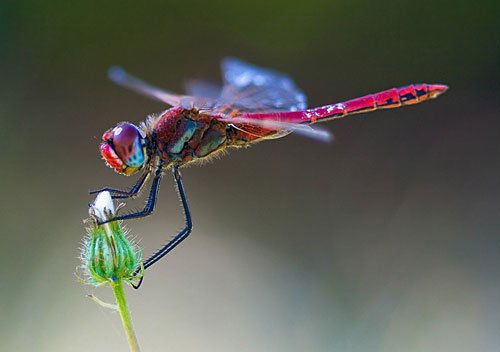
(391, 98)
(387, 99)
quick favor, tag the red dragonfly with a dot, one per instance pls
(254, 104)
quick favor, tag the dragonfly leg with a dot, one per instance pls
(150, 203)
(138, 284)
(181, 235)
(132, 192)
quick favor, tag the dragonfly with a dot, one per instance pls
(253, 104)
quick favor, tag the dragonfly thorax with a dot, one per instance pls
(125, 148)
(185, 135)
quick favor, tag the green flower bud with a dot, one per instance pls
(108, 255)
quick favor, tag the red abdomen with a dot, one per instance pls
(393, 98)
(387, 99)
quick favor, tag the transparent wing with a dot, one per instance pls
(247, 88)
(200, 88)
(119, 76)
(251, 88)
(283, 128)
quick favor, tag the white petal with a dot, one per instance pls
(102, 205)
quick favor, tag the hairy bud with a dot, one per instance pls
(108, 255)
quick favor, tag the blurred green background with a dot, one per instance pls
(386, 239)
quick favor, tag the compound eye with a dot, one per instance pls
(125, 140)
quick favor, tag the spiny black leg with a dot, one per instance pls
(133, 190)
(150, 203)
(180, 236)
(120, 193)
(136, 188)
(138, 284)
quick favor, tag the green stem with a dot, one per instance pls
(125, 315)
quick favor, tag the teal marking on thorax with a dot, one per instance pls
(212, 140)
(189, 127)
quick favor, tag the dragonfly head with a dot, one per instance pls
(124, 148)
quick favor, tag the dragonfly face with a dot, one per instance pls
(124, 148)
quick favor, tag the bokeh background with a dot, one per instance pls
(386, 239)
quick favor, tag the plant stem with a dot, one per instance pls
(125, 315)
